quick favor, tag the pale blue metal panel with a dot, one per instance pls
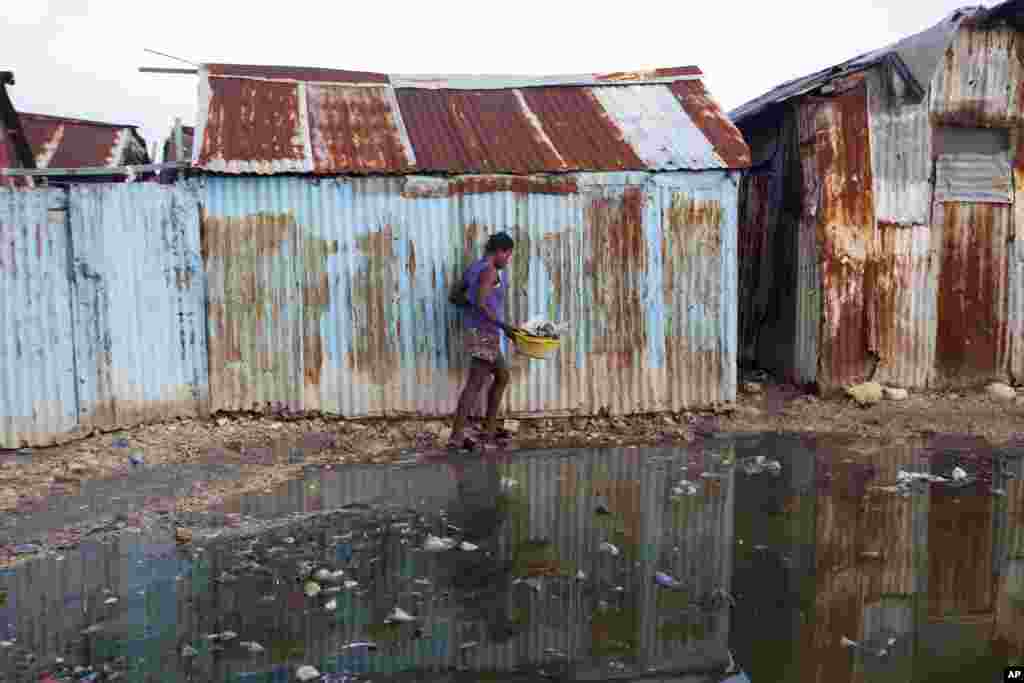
(371, 326)
(37, 384)
(140, 310)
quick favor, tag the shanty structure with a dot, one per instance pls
(880, 234)
(59, 142)
(180, 135)
(339, 206)
(14, 149)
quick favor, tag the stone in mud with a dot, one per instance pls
(866, 394)
(1000, 391)
(895, 394)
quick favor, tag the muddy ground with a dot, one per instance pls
(215, 460)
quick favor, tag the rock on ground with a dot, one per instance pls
(866, 394)
(1001, 391)
(895, 394)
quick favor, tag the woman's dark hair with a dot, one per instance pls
(499, 241)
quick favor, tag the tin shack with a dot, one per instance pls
(338, 206)
(14, 149)
(878, 234)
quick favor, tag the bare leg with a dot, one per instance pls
(494, 396)
(478, 373)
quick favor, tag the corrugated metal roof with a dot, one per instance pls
(60, 142)
(267, 120)
(14, 150)
(914, 58)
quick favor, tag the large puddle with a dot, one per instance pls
(764, 559)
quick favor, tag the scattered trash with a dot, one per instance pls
(895, 394)
(136, 458)
(846, 642)
(311, 588)
(290, 540)
(110, 601)
(350, 584)
(434, 544)
(468, 547)
(400, 616)
(253, 647)
(6, 644)
(665, 581)
(610, 549)
(469, 645)
(580, 576)
(866, 394)
(307, 673)
(360, 644)
(758, 464)
(533, 582)
(685, 488)
(602, 508)
(508, 484)
(323, 575)
(228, 635)
(188, 651)
(331, 605)
(959, 474)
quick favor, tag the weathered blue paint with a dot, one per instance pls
(37, 365)
(388, 248)
(139, 292)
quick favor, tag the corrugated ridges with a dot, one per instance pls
(61, 142)
(293, 120)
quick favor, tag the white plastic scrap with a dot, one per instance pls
(400, 616)
(435, 545)
(846, 642)
(253, 647)
(307, 673)
(508, 484)
(685, 488)
(610, 549)
(959, 474)
(468, 547)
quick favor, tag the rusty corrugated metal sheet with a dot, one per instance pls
(140, 311)
(972, 338)
(901, 155)
(345, 281)
(839, 206)
(973, 178)
(187, 137)
(277, 120)
(38, 394)
(61, 142)
(979, 81)
(905, 275)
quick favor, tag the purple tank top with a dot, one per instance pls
(496, 301)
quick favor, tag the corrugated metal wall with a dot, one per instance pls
(104, 310)
(140, 341)
(37, 363)
(351, 277)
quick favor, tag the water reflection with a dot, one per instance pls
(594, 565)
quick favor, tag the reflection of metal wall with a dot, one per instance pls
(513, 624)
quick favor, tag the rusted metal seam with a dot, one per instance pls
(531, 117)
(404, 84)
(307, 135)
(403, 132)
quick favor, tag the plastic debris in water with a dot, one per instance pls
(959, 474)
(307, 673)
(312, 588)
(435, 545)
(610, 549)
(290, 540)
(846, 642)
(400, 616)
(110, 601)
(664, 580)
(360, 644)
(228, 635)
(323, 575)
(253, 647)
(685, 488)
(580, 576)
(507, 484)
(532, 582)
(188, 651)
(350, 584)
(331, 605)
(468, 547)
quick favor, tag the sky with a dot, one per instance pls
(81, 57)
